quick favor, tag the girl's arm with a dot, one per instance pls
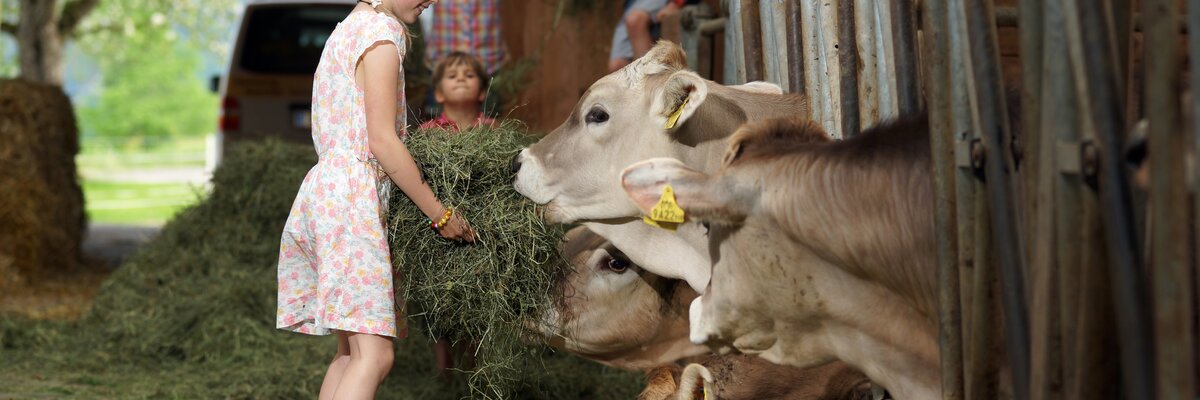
(376, 74)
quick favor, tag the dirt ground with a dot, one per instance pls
(67, 295)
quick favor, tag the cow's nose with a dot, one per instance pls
(515, 165)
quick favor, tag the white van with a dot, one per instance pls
(267, 88)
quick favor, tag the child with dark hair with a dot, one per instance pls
(460, 83)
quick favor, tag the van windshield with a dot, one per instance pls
(288, 39)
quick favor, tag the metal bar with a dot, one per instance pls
(905, 40)
(886, 70)
(1168, 206)
(983, 364)
(813, 70)
(1190, 123)
(966, 185)
(1063, 218)
(735, 59)
(752, 40)
(774, 38)
(1095, 359)
(1031, 109)
(868, 76)
(1040, 73)
(937, 47)
(993, 124)
(1096, 88)
(847, 54)
(795, 49)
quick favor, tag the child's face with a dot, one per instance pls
(459, 85)
(408, 10)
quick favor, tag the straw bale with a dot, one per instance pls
(41, 203)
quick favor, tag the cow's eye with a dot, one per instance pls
(616, 264)
(596, 116)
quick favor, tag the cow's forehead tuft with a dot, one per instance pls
(634, 75)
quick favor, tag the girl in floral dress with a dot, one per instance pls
(335, 271)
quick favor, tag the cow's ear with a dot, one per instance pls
(700, 196)
(680, 97)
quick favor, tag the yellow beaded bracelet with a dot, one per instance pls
(445, 218)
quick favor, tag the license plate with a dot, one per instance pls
(302, 118)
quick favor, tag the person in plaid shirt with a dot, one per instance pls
(469, 26)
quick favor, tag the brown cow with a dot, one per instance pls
(620, 315)
(823, 250)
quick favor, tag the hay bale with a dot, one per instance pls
(482, 292)
(41, 203)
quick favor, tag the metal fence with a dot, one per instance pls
(1037, 218)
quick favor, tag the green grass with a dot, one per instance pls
(113, 193)
(138, 203)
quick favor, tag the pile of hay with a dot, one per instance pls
(478, 293)
(193, 314)
(41, 203)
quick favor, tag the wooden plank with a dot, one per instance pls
(795, 49)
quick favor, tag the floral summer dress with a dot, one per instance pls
(335, 271)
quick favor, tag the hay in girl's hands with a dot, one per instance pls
(481, 292)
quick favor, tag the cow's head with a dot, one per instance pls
(614, 312)
(651, 108)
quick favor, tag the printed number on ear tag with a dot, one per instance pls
(666, 214)
(674, 118)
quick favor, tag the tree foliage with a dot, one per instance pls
(154, 92)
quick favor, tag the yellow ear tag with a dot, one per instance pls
(666, 214)
(705, 393)
(678, 112)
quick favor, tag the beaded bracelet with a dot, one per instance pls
(437, 226)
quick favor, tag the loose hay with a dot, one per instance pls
(482, 292)
(192, 314)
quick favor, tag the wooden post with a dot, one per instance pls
(936, 50)
(847, 53)
(1095, 86)
(1168, 205)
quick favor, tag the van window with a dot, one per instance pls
(288, 40)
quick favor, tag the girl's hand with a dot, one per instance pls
(457, 229)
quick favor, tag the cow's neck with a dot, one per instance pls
(876, 222)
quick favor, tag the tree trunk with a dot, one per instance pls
(40, 42)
